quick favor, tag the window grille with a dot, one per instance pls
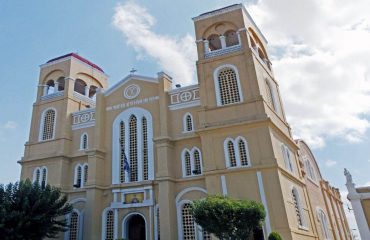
(86, 172)
(37, 178)
(206, 235)
(187, 223)
(84, 141)
(243, 153)
(79, 175)
(122, 146)
(109, 228)
(232, 157)
(197, 163)
(43, 181)
(158, 226)
(287, 158)
(309, 169)
(228, 85)
(133, 149)
(48, 125)
(324, 224)
(145, 148)
(270, 98)
(297, 207)
(189, 123)
(187, 163)
(73, 231)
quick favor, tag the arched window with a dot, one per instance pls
(231, 38)
(50, 87)
(47, 125)
(236, 152)
(133, 149)
(92, 92)
(144, 128)
(191, 162)
(188, 230)
(231, 153)
(270, 95)
(44, 177)
(73, 230)
(214, 42)
(227, 85)
(61, 84)
(84, 141)
(309, 169)
(298, 207)
(80, 86)
(86, 173)
(287, 158)
(243, 152)
(36, 175)
(188, 123)
(109, 225)
(324, 224)
(80, 175)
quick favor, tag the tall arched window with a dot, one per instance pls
(188, 123)
(73, 230)
(132, 153)
(227, 83)
(298, 207)
(324, 224)
(214, 42)
(144, 123)
(44, 176)
(47, 125)
(191, 162)
(50, 87)
(122, 151)
(188, 229)
(80, 86)
(36, 175)
(309, 169)
(270, 95)
(80, 175)
(109, 225)
(231, 38)
(133, 149)
(236, 152)
(40, 175)
(287, 158)
(84, 141)
(61, 84)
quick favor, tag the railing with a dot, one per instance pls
(84, 98)
(52, 95)
(223, 51)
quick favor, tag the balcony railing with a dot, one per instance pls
(223, 51)
(84, 98)
(52, 95)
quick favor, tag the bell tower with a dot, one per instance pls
(234, 70)
(66, 84)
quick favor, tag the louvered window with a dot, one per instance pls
(109, 228)
(48, 124)
(133, 149)
(145, 148)
(228, 86)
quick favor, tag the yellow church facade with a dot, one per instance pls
(132, 157)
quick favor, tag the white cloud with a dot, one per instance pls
(330, 163)
(321, 58)
(349, 213)
(175, 55)
(10, 125)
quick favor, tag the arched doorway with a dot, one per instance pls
(135, 227)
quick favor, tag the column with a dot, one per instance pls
(45, 90)
(239, 38)
(206, 46)
(87, 89)
(56, 85)
(223, 41)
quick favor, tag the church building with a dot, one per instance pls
(133, 156)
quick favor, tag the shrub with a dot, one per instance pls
(275, 236)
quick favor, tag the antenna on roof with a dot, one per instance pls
(133, 70)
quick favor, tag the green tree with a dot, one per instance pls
(228, 218)
(31, 212)
(274, 236)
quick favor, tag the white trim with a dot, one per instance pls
(75, 179)
(184, 105)
(235, 143)
(76, 200)
(300, 208)
(217, 87)
(287, 158)
(264, 202)
(43, 122)
(323, 222)
(186, 88)
(35, 174)
(271, 90)
(104, 222)
(180, 231)
(223, 185)
(125, 221)
(124, 116)
(79, 224)
(127, 79)
(83, 125)
(185, 124)
(186, 190)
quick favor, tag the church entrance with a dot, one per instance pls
(136, 228)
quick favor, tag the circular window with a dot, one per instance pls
(131, 91)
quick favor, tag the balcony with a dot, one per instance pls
(84, 98)
(52, 95)
(222, 51)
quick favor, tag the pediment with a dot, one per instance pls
(128, 79)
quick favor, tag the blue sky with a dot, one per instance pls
(319, 52)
